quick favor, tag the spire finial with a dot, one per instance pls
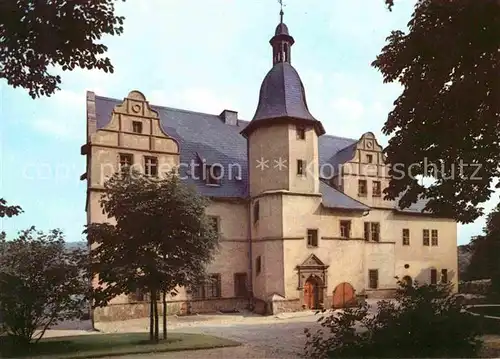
(281, 11)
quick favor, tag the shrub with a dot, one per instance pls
(422, 321)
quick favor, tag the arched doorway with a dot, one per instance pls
(313, 293)
(343, 296)
(407, 280)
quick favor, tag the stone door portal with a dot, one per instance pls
(343, 295)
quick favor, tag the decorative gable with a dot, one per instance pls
(312, 261)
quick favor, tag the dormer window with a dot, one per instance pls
(369, 158)
(301, 133)
(136, 126)
(214, 175)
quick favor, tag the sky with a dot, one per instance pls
(203, 56)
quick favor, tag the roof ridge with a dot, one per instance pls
(341, 138)
(167, 107)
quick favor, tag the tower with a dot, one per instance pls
(283, 164)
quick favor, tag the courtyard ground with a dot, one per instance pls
(280, 336)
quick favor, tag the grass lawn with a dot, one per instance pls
(100, 345)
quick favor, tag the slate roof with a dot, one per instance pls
(206, 136)
(282, 95)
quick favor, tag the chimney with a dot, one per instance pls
(229, 117)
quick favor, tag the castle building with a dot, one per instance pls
(301, 214)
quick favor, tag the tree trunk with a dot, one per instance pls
(164, 315)
(157, 329)
(151, 317)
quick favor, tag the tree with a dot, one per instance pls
(448, 112)
(41, 284)
(485, 262)
(162, 239)
(39, 34)
(424, 321)
(8, 211)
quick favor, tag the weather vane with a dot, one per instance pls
(281, 9)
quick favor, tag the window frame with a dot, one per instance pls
(314, 235)
(121, 156)
(300, 132)
(202, 290)
(444, 276)
(433, 276)
(140, 126)
(434, 239)
(426, 237)
(362, 183)
(349, 228)
(378, 191)
(148, 168)
(301, 166)
(256, 211)
(406, 236)
(370, 278)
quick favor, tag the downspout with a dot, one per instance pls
(249, 234)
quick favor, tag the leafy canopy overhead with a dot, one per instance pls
(36, 35)
(448, 113)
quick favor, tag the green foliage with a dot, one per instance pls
(8, 211)
(162, 238)
(485, 262)
(37, 35)
(41, 283)
(422, 321)
(447, 114)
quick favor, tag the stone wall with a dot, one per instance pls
(124, 311)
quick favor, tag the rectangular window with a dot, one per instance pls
(369, 158)
(373, 278)
(375, 229)
(126, 160)
(434, 237)
(444, 275)
(240, 285)
(151, 166)
(301, 133)
(214, 175)
(258, 265)
(433, 276)
(211, 288)
(406, 237)
(301, 167)
(136, 126)
(256, 211)
(362, 188)
(312, 237)
(376, 189)
(345, 229)
(425, 237)
(214, 222)
(372, 231)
